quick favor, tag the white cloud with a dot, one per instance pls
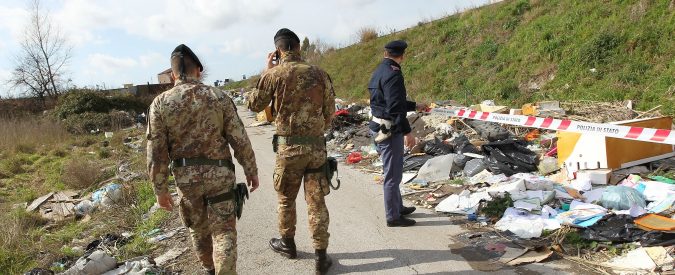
(109, 64)
(152, 59)
(235, 46)
(13, 20)
(161, 20)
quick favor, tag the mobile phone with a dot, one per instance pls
(276, 56)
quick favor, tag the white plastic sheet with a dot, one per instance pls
(525, 225)
(462, 203)
(437, 169)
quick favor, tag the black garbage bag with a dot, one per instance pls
(414, 162)
(463, 145)
(473, 167)
(436, 147)
(461, 160)
(510, 157)
(622, 229)
(489, 130)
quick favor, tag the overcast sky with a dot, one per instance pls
(129, 41)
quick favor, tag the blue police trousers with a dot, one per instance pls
(391, 152)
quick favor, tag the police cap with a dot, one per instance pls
(286, 34)
(396, 47)
(185, 51)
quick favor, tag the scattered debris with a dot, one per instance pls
(538, 190)
(169, 256)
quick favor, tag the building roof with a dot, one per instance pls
(165, 71)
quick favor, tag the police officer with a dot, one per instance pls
(389, 106)
(192, 126)
(302, 98)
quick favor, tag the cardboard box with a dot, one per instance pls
(597, 177)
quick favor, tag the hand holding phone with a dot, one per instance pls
(272, 59)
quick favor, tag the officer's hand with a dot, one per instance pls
(421, 107)
(409, 141)
(165, 201)
(253, 182)
(270, 57)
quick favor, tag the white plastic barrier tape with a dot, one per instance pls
(608, 130)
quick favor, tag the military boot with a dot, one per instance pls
(322, 262)
(284, 246)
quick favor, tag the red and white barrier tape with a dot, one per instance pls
(608, 130)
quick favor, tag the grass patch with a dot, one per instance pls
(80, 173)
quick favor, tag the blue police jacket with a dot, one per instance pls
(388, 98)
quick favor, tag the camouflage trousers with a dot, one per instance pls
(212, 228)
(291, 163)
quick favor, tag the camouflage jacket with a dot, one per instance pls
(303, 96)
(194, 120)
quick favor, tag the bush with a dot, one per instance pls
(103, 153)
(13, 165)
(81, 174)
(85, 122)
(83, 101)
(366, 34)
(600, 48)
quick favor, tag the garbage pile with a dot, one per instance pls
(510, 179)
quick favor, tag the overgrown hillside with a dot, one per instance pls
(521, 51)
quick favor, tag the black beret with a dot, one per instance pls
(185, 51)
(396, 47)
(286, 34)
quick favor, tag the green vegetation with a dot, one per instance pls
(521, 51)
(495, 208)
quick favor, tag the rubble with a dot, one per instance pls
(512, 180)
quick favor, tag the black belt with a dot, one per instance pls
(219, 198)
(182, 162)
(301, 140)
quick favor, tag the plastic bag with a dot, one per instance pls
(462, 145)
(354, 157)
(473, 167)
(489, 130)
(436, 147)
(622, 229)
(621, 198)
(437, 168)
(414, 162)
(461, 160)
(510, 157)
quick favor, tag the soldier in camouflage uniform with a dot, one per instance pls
(192, 126)
(303, 100)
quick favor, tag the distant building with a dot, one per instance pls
(164, 77)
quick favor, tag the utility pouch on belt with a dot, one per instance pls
(275, 143)
(330, 169)
(239, 194)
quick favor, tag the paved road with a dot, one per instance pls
(360, 240)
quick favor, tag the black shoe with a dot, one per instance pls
(322, 261)
(401, 222)
(407, 210)
(284, 246)
(210, 272)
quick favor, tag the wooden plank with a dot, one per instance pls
(39, 201)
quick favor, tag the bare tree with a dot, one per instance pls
(40, 64)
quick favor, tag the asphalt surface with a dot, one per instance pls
(360, 241)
